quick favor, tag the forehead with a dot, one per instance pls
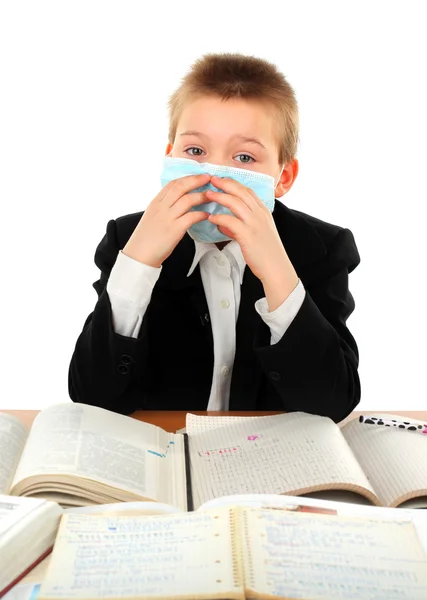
(218, 118)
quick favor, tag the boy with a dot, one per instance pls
(226, 299)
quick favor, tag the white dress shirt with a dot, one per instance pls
(131, 283)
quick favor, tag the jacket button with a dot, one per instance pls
(123, 369)
(126, 359)
(275, 376)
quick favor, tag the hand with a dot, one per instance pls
(253, 227)
(166, 220)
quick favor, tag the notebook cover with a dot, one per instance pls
(190, 504)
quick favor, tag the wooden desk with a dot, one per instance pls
(173, 420)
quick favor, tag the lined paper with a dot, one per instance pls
(298, 555)
(394, 460)
(146, 557)
(199, 424)
(292, 453)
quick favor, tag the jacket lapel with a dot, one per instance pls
(246, 374)
(174, 277)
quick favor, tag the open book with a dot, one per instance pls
(27, 532)
(235, 553)
(78, 455)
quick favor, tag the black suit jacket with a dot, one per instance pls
(169, 366)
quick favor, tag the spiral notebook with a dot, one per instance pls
(234, 554)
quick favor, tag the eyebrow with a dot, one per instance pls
(243, 138)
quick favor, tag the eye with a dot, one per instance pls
(246, 156)
(194, 148)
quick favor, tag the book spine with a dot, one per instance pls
(190, 503)
(237, 546)
(247, 559)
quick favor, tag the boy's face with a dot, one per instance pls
(223, 133)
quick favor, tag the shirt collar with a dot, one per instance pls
(232, 250)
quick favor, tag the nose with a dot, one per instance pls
(220, 159)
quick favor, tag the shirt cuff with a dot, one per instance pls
(279, 320)
(129, 289)
(132, 281)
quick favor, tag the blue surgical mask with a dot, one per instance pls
(263, 185)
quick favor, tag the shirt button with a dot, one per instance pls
(225, 303)
(225, 371)
(275, 376)
(221, 260)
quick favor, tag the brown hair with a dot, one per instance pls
(239, 76)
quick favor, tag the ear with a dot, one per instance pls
(287, 178)
(168, 149)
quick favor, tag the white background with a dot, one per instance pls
(83, 129)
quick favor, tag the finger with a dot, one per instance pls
(235, 188)
(191, 218)
(184, 204)
(227, 232)
(179, 187)
(229, 222)
(237, 206)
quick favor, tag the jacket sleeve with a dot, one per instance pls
(107, 368)
(313, 367)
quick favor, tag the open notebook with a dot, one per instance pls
(77, 455)
(303, 454)
(235, 553)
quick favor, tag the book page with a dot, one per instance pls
(105, 447)
(304, 504)
(12, 439)
(420, 502)
(301, 555)
(419, 519)
(298, 503)
(393, 459)
(13, 510)
(23, 591)
(291, 453)
(199, 423)
(126, 508)
(167, 556)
